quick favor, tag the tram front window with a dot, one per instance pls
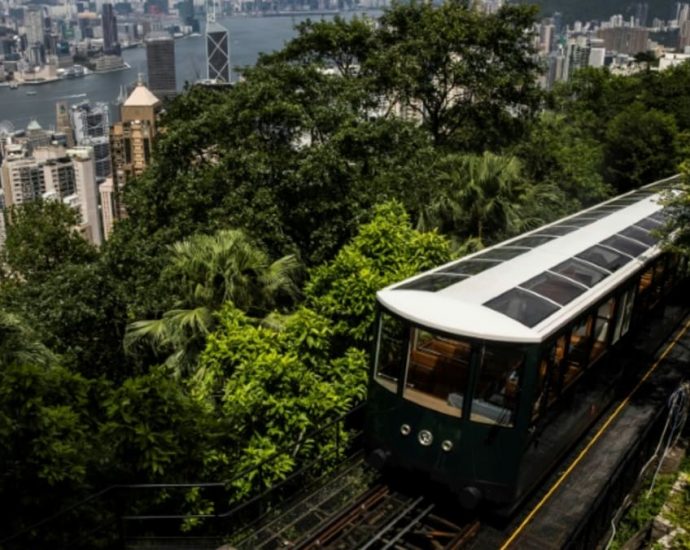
(496, 395)
(391, 351)
(438, 370)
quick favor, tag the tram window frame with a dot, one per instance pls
(658, 283)
(551, 367)
(624, 313)
(430, 363)
(574, 366)
(605, 313)
(506, 375)
(388, 381)
(671, 272)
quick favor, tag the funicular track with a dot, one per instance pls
(356, 509)
(383, 518)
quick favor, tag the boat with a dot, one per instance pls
(13, 85)
(31, 92)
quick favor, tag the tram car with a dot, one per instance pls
(486, 370)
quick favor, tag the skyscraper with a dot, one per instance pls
(91, 123)
(111, 45)
(33, 24)
(160, 64)
(217, 48)
(217, 52)
(131, 142)
(63, 124)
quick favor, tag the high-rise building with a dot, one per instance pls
(87, 193)
(160, 63)
(106, 191)
(33, 25)
(577, 56)
(90, 120)
(23, 180)
(131, 145)
(217, 52)
(63, 124)
(627, 40)
(58, 175)
(111, 45)
(91, 126)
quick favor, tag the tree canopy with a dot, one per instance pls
(243, 280)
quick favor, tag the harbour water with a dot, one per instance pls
(248, 36)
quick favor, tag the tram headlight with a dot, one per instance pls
(425, 438)
(447, 445)
(405, 429)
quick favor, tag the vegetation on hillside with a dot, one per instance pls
(229, 315)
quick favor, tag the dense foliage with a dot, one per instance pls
(230, 314)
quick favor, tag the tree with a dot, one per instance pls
(469, 76)
(676, 231)
(385, 250)
(41, 236)
(343, 44)
(641, 147)
(79, 313)
(479, 196)
(272, 386)
(18, 344)
(569, 159)
(48, 445)
(206, 271)
(154, 431)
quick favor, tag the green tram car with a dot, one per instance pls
(487, 369)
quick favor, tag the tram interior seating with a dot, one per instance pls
(438, 367)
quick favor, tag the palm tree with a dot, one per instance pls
(480, 197)
(209, 271)
(18, 345)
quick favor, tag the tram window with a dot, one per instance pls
(540, 389)
(604, 257)
(649, 224)
(601, 328)
(496, 394)
(531, 242)
(671, 271)
(432, 282)
(556, 230)
(658, 281)
(581, 272)
(470, 267)
(626, 246)
(659, 270)
(503, 253)
(640, 235)
(554, 287)
(646, 280)
(624, 315)
(529, 309)
(580, 340)
(548, 382)
(579, 222)
(438, 371)
(391, 351)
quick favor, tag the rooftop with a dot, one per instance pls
(524, 289)
(141, 97)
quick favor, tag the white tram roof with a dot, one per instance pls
(524, 289)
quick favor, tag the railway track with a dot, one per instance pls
(383, 518)
(356, 510)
